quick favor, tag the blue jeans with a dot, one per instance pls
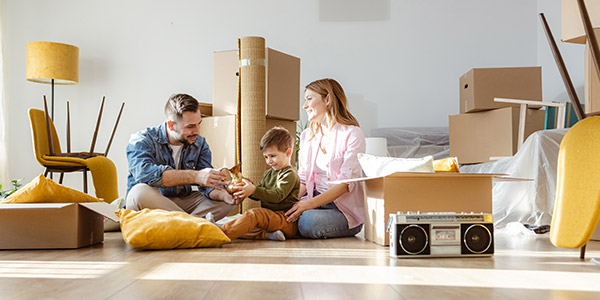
(325, 221)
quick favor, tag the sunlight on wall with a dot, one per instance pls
(57, 269)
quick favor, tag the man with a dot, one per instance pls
(170, 166)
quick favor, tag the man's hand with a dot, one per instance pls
(229, 199)
(224, 196)
(211, 178)
(245, 189)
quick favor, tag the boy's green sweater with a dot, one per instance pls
(278, 190)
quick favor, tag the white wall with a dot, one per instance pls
(398, 60)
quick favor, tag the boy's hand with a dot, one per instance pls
(246, 188)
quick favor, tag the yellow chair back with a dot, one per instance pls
(577, 205)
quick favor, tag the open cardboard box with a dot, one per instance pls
(425, 192)
(53, 225)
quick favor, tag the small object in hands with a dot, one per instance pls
(234, 177)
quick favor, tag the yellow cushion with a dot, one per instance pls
(446, 165)
(161, 229)
(44, 190)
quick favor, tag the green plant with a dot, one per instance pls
(16, 185)
(300, 127)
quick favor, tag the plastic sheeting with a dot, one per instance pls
(527, 202)
(415, 142)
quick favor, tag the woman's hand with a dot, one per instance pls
(299, 207)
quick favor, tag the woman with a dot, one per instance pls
(328, 152)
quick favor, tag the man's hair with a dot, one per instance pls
(277, 137)
(178, 104)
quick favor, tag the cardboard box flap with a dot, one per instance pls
(34, 205)
(102, 208)
(430, 175)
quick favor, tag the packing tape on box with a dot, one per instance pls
(252, 62)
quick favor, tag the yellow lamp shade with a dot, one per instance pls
(47, 61)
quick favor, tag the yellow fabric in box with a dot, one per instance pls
(44, 190)
(161, 229)
(446, 165)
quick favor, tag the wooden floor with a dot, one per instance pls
(348, 268)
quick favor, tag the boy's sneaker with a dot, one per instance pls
(277, 236)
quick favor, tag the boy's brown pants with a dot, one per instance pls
(256, 223)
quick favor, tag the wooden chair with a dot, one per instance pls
(48, 153)
(524, 104)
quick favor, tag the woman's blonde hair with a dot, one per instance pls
(337, 109)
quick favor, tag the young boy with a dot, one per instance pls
(277, 193)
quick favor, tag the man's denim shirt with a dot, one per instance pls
(149, 155)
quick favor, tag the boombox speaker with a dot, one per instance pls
(441, 235)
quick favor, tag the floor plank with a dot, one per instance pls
(347, 268)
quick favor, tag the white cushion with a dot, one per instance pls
(375, 166)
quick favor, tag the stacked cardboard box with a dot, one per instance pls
(485, 129)
(219, 132)
(282, 107)
(574, 32)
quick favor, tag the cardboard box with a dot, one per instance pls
(425, 192)
(572, 25)
(53, 225)
(591, 80)
(205, 109)
(282, 90)
(475, 137)
(219, 132)
(480, 86)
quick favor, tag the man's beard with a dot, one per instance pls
(185, 141)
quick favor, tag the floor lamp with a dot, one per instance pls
(52, 63)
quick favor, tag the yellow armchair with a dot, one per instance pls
(46, 146)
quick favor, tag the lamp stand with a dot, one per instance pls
(52, 115)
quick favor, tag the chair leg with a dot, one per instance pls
(582, 252)
(60, 179)
(46, 172)
(51, 173)
(85, 180)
